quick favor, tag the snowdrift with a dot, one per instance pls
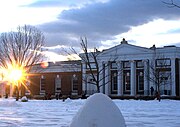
(98, 111)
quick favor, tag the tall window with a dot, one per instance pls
(75, 83)
(165, 82)
(57, 84)
(140, 80)
(140, 76)
(114, 76)
(127, 85)
(42, 84)
(126, 77)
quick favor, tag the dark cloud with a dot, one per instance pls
(103, 21)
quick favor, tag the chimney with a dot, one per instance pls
(153, 47)
(123, 41)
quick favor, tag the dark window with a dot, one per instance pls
(126, 64)
(139, 64)
(127, 86)
(113, 65)
(163, 62)
(58, 83)
(114, 81)
(74, 83)
(140, 79)
(92, 65)
(43, 83)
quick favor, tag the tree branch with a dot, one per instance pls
(171, 4)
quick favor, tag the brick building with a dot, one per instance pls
(61, 77)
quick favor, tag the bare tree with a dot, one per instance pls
(90, 58)
(171, 4)
(21, 48)
(94, 68)
(159, 72)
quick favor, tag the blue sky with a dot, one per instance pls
(103, 22)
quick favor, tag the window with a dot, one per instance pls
(57, 84)
(140, 80)
(163, 62)
(139, 64)
(127, 81)
(74, 83)
(42, 84)
(126, 64)
(90, 79)
(113, 65)
(165, 76)
(165, 82)
(93, 66)
(114, 76)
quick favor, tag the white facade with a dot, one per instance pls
(132, 70)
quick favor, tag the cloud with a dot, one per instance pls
(174, 31)
(64, 3)
(103, 21)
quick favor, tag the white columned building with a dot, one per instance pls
(130, 70)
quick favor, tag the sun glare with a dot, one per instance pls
(13, 74)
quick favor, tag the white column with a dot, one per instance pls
(107, 78)
(146, 74)
(120, 84)
(151, 74)
(101, 78)
(84, 79)
(133, 78)
(173, 77)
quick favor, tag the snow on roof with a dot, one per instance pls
(63, 66)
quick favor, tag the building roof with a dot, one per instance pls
(127, 51)
(61, 66)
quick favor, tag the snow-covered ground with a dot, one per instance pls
(56, 113)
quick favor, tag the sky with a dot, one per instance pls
(103, 22)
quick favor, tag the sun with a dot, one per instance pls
(13, 74)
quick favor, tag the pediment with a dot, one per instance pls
(125, 49)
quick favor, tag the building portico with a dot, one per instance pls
(131, 70)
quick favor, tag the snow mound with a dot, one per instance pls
(68, 100)
(8, 103)
(98, 111)
(24, 99)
